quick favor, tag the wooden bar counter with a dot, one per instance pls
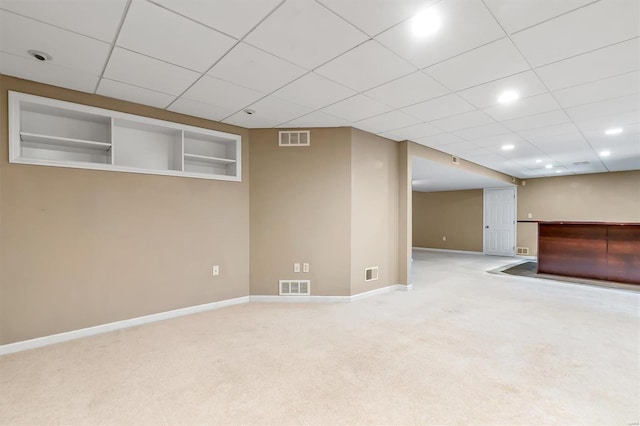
(600, 250)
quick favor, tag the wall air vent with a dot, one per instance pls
(523, 251)
(294, 138)
(455, 160)
(371, 274)
(295, 287)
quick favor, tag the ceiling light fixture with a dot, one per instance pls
(605, 153)
(41, 56)
(508, 147)
(548, 166)
(558, 171)
(425, 23)
(249, 111)
(538, 161)
(614, 131)
(508, 96)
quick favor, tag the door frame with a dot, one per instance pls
(515, 218)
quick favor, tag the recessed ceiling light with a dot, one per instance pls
(558, 171)
(249, 111)
(614, 131)
(538, 161)
(425, 23)
(548, 166)
(605, 153)
(508, 147)
(41, 56)
(508, 96)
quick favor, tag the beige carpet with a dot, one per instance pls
(465, 347)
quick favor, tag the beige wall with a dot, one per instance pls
(600, 197)
(456, 215)
(85, 247)
(301, 211)
(374, 210)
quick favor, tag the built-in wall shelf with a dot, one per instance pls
(51, 132)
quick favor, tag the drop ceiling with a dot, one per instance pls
(326, 63)
(433, 176)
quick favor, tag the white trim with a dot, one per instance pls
(117, 325)
(448, 251)
(161, 316)
(519, 256)
(341, 299)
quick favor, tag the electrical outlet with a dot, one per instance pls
(444, 238)
(216, 270)
(296, 267)
(529, 215)
(305, 267)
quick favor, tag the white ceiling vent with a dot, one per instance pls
(294, 138)
(295, 287)
(371, 274)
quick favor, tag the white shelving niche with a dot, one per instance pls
(50, 132)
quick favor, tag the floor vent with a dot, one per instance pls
(295, 138)
(371, 274)
(295, 287)
(522, 251)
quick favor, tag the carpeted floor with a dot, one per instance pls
(465, 347)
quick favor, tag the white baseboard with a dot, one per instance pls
(117, 325)
(519, 256)
(448, 251)
(346, 299)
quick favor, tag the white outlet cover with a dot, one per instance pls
(296, 267)
(305, 267)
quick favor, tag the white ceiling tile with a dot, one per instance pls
(314, 91)
(625, 84)
(592, 167)
(278, 109)
(463, 149)
(226, 96)
(523, 107)
(604, 108)
(366, 66)
(465, 24)
(543, 132)
(463, 121)
(415, 131)
(316, 119)
(96, 18)
(357, 108)
(489, 62)
(526, 84)
(619, 164)
(607, 62)
(250, 67)
(538, 120)
(233, 17)
(305, 33)
(601, 123)
(515, 15)
(438, 140)
(70, 50)
(499, 140)
(374, 16)
(117, 90)
(434, 109)
(598, 139)
(251, 121)
(560, 143)
(46, 72)
(407, 90)
(200, 109)
(591, 27)
(386, 122)
(139, 70)
(391, 136)
(188, 44)
(479, 132)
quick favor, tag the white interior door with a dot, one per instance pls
(500, 221)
